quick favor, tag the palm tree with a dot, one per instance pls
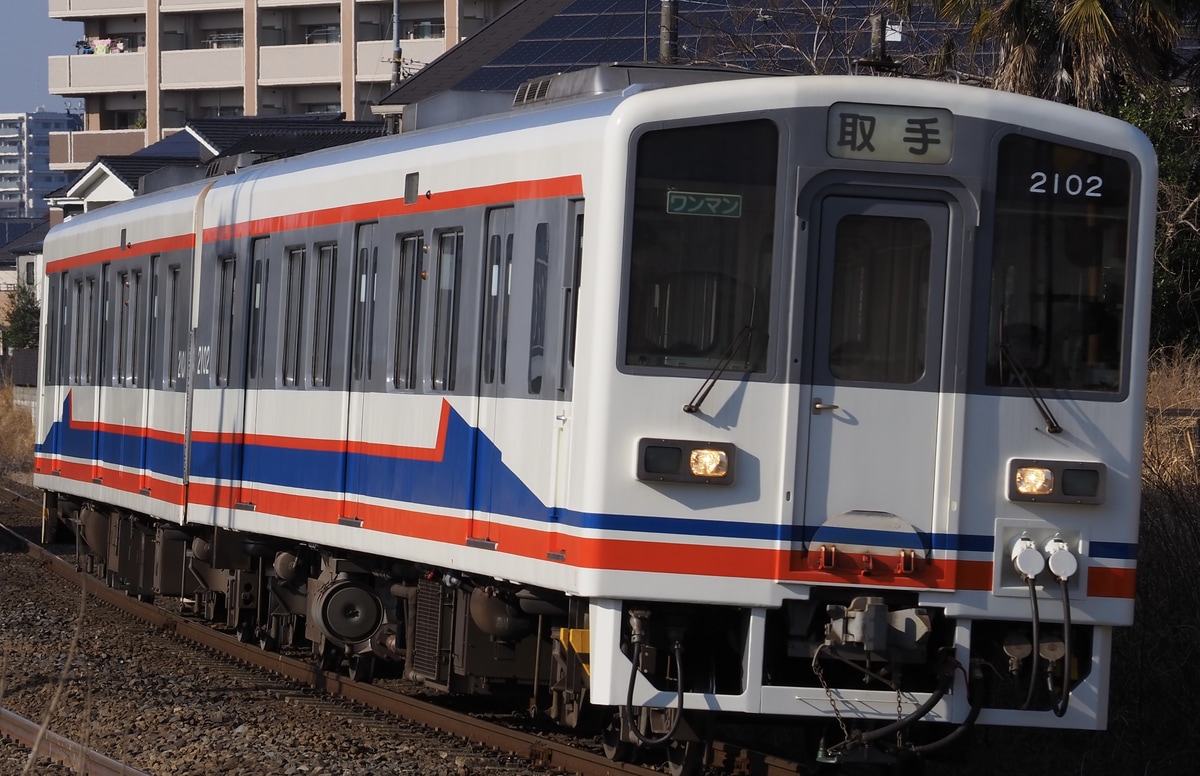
(1081, 52)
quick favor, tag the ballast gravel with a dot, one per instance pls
(137, 696)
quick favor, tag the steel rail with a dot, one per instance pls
(545, 753)
(62, 750)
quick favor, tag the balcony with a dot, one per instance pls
(76, 150)
(71, 9)
(204, 68)
(302, 64)
(374, 58)
(290, 3)
(96, 73)
(172, 6)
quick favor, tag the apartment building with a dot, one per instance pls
(145, 67)
(25, 174)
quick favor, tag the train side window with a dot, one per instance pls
(123, 329)
(506, 301)
(66, 324)
(153, 359)
(408, 310)
(323, 320)
(176, 356)
(570, 299)
(491, 306)
(51, 333)
(537, 320)
(293, 306)
(137, 355)
(366, 277)
(701, 246)
(84, 341)
(225, 322)
(258, 288)
(445, 309)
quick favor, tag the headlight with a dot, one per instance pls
(1034, 481)
(707, 462)
(1057, 482)
(682, 460)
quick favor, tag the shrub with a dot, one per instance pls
(16, 434)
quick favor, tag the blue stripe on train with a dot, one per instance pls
(452, 483)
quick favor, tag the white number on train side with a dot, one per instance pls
(1071, 185)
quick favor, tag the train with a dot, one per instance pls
(826, 414)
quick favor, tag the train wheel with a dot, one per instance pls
(361, 668)
(685, 758)
(267, 642)
(615, 748)
(327, 656)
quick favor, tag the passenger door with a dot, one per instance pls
(869, 471)
(365, 403)
(260, 375)
(498, 266)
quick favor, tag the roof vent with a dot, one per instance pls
(532, 91)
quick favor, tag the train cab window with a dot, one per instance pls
(701, 246)
(408, 309)
(445, 309)
(1060, 267)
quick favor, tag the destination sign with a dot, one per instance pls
(696, 203)
(890, 133)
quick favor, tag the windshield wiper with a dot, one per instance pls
(1026, 382)
(720, 369)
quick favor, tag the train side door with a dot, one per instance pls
(876, 354)
(364, 372)
(259, 375)
(498, 259)
(99, 373)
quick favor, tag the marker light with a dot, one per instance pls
(1034, 481)
(706, 462)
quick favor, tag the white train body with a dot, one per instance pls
(249, 362)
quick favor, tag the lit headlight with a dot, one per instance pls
(707, 462)
(684, 460)
(1056, 482)
(1034, 481)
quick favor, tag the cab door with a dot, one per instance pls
(876, 351)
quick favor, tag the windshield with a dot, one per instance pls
(703, 226)
(1059, 266)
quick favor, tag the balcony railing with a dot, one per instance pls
(90, 74)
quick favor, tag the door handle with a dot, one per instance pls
(818, 405)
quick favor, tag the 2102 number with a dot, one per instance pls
(1071, 185)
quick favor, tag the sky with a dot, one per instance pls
(28, 38)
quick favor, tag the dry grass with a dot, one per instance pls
(16, 434)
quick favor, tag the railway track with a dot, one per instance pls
(536, 752)
(76, 757)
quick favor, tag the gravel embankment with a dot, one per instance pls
(162, 707)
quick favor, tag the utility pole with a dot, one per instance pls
(668, 32)
(396, 51)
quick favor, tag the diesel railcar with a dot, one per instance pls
(831, 415)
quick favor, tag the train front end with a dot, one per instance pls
(864, 438)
